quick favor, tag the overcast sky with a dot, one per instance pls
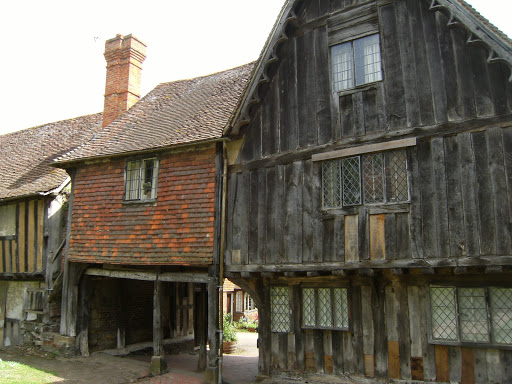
(52, 51)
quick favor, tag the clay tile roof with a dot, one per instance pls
(180, 112)
(25, 156)
(485, 22)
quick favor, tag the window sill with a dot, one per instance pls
(377, 209)
(471, 344)
(140, 202)
(325, 329)
(359, 88)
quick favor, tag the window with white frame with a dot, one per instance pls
(471, 315)
(141, 179)
(356, 63)
(325, 308)
(365, 179)
(249, 303)
(279, 309)
(239, 301)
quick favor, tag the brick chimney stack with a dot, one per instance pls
(124, 56)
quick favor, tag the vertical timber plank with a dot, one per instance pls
(30, 240)
(455, 364)
(468, 365)
(40, 226)
(351, 238)
(377, 237)
(499, 189)
(442, 364)
(469, 198)
(368, 331)
(18, 265)
(484, 194)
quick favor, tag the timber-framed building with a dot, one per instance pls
(369, 195)
(142, 265)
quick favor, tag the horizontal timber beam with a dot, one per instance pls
(178, 277)
(426, 264)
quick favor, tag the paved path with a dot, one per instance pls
(239, 368)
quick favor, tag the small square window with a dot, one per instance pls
(141, 179)
(356, 63)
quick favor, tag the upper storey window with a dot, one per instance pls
(141, 179)
(368, 179)
(356, 63)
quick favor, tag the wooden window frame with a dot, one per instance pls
(387, 198)
(459, 342)
(333, 309)
(355, 87)
(140, 189)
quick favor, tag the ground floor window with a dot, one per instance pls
(239, 301)
(325, 308)
(280, 309)
(476, 315)
(249, 303)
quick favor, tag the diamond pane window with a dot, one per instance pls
(141, 179)
(444, 313)
(376, 178)
(351, 181)
(331, 182)
(308, 307)
(340, 308)
(473, 315)
(359, 59)
(397, 184)
(280, 309)
(373, 178)
(501, 309)
(325, 308)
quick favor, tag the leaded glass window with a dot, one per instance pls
(280, 309)
(472, 315)
(355, 63)
(351, 181)
(501, 308)
(376, 178)
(325, 308)
(141, 179)
(331, 182)
(444, 313)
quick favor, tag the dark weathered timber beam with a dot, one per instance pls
(449, 128)
(423, 264)
(493, 269)
(150, 276)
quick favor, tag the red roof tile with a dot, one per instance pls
(175, 113)
(25, 156)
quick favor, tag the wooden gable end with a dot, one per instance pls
(436, 89)
(431, 77)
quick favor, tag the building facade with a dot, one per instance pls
(369, 192)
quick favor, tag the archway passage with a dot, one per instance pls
(144, 319)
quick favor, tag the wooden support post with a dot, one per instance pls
(121, 317)
(83, 317)
(158, 364)
(212, 370)
(203, 326)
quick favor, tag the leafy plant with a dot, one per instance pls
(229, 329)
